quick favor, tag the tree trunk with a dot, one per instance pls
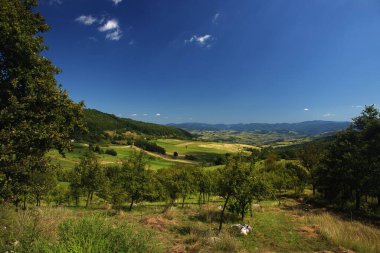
(17, 201)
(76, 200)
(24, 204)
(313, 189)
(378, 199)
(88, 199)
(222, 214)
(38, 200)
(131, 205)
(242, 215)
(183, 202)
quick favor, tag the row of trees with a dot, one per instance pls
(349, 168)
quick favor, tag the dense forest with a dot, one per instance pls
(99, 122)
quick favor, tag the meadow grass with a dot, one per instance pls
(72, 158)
(349, 234)
(192, 228)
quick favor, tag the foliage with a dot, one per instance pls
(36, 114)
(111, 152)
(310, 156)
(149, 146)
(99, 122)
(135, 177)
(88, 177)
(240, 183)
(350, 169)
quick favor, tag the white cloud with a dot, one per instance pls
(357, 106)
(200, 40)
(86, 20)
(116, 2)
(157, 114)
(109, 25)
(306, 109)
(328, 115)
(55, 2)
(115, 35)
(215, 18)
(112, 28)
(134, 114)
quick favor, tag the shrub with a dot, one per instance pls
(149, 146)
(111, 152)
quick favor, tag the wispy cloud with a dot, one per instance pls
(356, 106)
(216, 18)
(327, 115)
(55, 2)
(134, 114)
(115, 35)
(116, 2)
(306, 109)
(112, 28)
(92, 38)
(202, 40)
(109, 25)
(86, 20)
(158, 114)
(145, 114)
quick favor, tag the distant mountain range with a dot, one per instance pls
(310, 128)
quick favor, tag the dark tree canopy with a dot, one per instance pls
(36, 114)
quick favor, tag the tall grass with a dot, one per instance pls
(96, 234)
(352, 235)
(40, 231)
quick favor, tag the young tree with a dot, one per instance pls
(134, 174)
(299, 176)
(310, 157)
(43, 178)
(116, 193)
(36, 114)
(177, 182)
(234, 183)
(89, 176)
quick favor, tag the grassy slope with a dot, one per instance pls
(203, 151)
(72, 158)
(288, 228)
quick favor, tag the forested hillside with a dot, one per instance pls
(98, 122)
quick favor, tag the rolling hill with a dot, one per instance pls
(306, 128)
(99, 122)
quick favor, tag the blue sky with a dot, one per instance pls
(218, 61)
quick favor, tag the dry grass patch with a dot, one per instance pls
(353, 235)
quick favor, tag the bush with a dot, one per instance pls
(149, 146)
(111, 152)
(96, 234)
